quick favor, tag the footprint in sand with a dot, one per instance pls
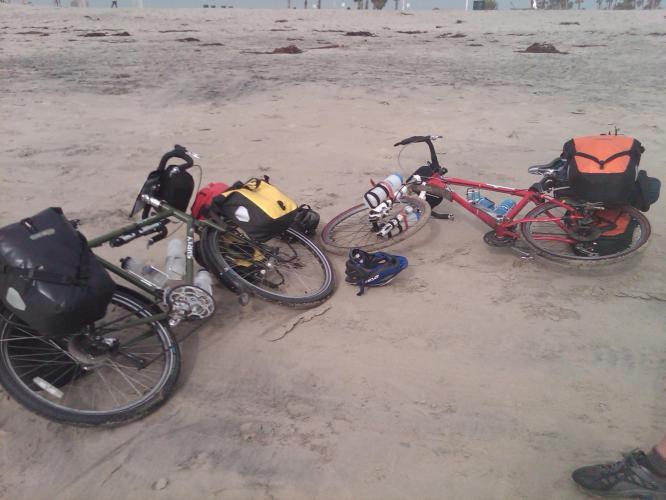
(549, 311)
(299, 410)
(196, 461)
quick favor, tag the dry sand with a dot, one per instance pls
(476, 375)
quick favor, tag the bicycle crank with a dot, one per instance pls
(189, 302)
(491, 238)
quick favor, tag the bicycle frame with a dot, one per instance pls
(164, 212)
(504, 227)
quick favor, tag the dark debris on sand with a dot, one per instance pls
(122, 33)
(542, 48)
(411, 32)
(188, 39)
(569, 23)
(359, 33)
(212, 44)
(93, 34)
(32, 33)
(289, 49)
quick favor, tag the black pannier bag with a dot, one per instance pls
(646, 192)
(618, 234)
(425, 172)
(49, 278)
(257, 207)
(603, 168)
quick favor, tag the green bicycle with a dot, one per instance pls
(125, 365)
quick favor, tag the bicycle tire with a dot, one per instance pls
(13, 376)
(328, 233)
(227, 273)
(643, 224)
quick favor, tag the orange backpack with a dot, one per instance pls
(602, 168)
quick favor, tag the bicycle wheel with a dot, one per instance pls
(288, 269)
(353, 229)
(560, 239)
(108, 376)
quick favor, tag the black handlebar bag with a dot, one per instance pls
(603, 168)
(49, 277)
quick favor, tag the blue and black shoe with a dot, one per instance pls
(365, 269)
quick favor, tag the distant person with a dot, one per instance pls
(114, 3)
(637, 475)
(56, 3)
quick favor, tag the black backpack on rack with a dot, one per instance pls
(49, 278)
(603, 168)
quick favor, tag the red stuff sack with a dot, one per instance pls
(204, 199)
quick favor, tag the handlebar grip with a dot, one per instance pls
(410, 140)
(177, 152)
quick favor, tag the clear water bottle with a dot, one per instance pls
(504, 206)
(145, 271)
(204, 280)
(175, 259)
(382, 190)
(475, 198)
(401, 222)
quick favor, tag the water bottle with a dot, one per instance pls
(145, 271)
(504, 206)
(475, 198)
(175, 259)
(382, 190)
(204, 280)
(401, 222)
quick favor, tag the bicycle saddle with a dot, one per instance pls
(557, 164)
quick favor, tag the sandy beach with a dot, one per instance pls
(476, 374)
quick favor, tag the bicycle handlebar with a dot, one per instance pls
(417, 138)
(178, 151)
(428, 140)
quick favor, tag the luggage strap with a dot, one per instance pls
(39, 275)
(80, 278)
(603, 162)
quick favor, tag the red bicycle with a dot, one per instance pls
(559, 227)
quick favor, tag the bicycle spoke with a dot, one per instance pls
(98, 383)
